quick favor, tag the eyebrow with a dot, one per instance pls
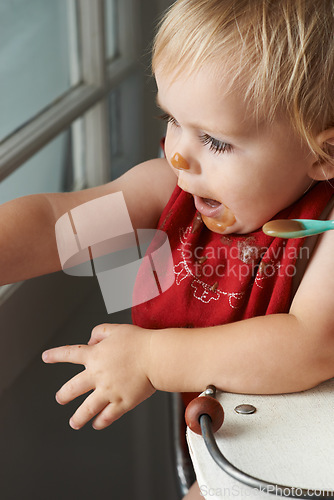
(198, 126)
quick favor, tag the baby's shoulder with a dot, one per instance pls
(315, 293)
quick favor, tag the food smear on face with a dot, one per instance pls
(215, 215)
(179, 162)
(197, 223)
(278, 227)
(221, 223)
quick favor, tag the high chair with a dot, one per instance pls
(184, 471)
(280, 445)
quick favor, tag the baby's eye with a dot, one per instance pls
(215, 145)
(169, 119)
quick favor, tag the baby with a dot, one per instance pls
(246, 87)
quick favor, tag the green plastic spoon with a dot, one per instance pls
(296, 228)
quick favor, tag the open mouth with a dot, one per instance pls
(208, 206)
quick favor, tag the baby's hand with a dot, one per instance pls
(116, 361)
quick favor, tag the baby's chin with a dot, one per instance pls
(217, 217)
(230, 225)
(223, 225)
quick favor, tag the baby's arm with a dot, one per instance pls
(27, 225)
(270, 354)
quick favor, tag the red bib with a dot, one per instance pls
(222, 279)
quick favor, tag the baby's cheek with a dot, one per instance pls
(168, 148)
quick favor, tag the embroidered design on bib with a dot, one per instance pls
(202, 290)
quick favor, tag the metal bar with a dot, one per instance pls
(77, 141)
(22, 144)
(183, 468)
(251, 481)
(96, 123)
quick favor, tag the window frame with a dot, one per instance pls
(84, 108)
(87, 99)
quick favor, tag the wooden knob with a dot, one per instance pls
(204, 405)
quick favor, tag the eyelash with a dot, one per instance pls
(215, 145)
(167, 118)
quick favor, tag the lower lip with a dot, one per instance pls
(206, 209)
(216, 219)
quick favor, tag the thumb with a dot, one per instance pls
(99, 333)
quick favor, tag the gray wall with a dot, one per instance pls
(43, 458)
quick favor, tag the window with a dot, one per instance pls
(34, 59)
(57, 74)
(69, 100)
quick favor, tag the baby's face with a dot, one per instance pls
(241, 173)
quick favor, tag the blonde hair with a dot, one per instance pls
(280, 51)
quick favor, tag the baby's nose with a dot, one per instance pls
(179, 162)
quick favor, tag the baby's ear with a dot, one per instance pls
(324, 169)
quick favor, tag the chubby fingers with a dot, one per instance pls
(106, 412)
(66, 354)
(93, 405)
(108, 415)
(78, 385)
